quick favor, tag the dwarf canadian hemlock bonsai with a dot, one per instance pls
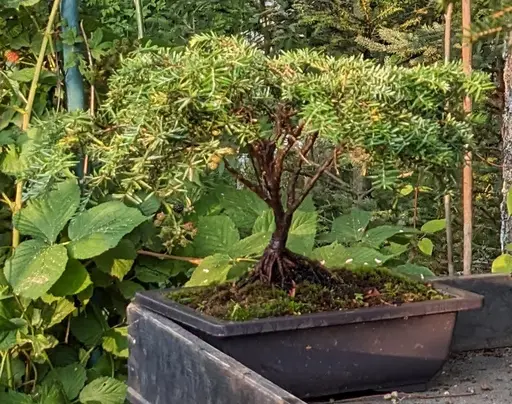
(277, 124)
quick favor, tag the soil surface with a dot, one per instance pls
(346, 289)
(483, 377)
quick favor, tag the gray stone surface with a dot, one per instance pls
(483, 377)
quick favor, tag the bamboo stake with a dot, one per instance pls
(467, 174)
(30, 104)
(447, 198)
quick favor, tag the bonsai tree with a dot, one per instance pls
(293, 117)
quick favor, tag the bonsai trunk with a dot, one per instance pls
(278, 265)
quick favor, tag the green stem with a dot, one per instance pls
(10, 381)
(140, 18)
(2, 365)
(30, 104)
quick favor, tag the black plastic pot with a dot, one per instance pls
(318, 355)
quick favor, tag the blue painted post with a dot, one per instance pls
(73, 80)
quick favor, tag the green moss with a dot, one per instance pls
(349, 290)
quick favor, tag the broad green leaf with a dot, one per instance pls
(71, 378)
(331, 256)
(239, 269)
(359, 256)
(129, 288)
(8, 329)
(502, 264)
(7, 137)
(395, 249)
(433, 226)
(88, 328)
(509, 202)
(44, 218)
(104, 390)
(155, 271)
(74, 280)
(51, 395)
(213, 269)
(34, 267)
(26, 75)
(264, 223)
(414, 270)
(215, 234)
(301, 238)
(350, 228)
(242, 206)
(406, 190)
(149, 205)
(426, 246)
(117, 261)
(378, 235)
(12, 397)
(102, 368)
(101, 228)
(115, 341)
(254, 245)
(57, 311)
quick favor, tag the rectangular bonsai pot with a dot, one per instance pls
(325, 354)
(491, 326)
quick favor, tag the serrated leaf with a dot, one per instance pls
(414, 270)
(74, 280)
(264, 223)
(331, 256)
(44, 218)
(254, 245)
(153, 270)
(242, 206)
(25, 75)
(213, 269)
(104, 390)
(433, 226)
(117, 261)
(301, 237)
(350, 228)
(13, 397)
(115, 341)
(502, 264)
(57, 311)
(129, 288)
(149, 205)
(365, 257)
(426, 246)
(51, 395)
(378, 235)
(101, 228)
(71, 379)
(215, 234)
(34, 267)
(40, 344)
(88, 328)
(8, 329)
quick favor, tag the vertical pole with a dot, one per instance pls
(467, 175)
(140, 18)
(447, 197)
(74, 85)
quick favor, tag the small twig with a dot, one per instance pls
(311, 183)
(404, 396)
(238, 176)
(194, 261)
(68, 327)
(91, 66)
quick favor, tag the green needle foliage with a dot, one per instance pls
(179, 113)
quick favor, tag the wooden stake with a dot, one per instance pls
(447, 198)
(467, 174)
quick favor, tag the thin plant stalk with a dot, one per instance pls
(140, 18)
(30, 104)
(447, 197)
(467, 173)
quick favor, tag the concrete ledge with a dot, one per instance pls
(491, 326)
